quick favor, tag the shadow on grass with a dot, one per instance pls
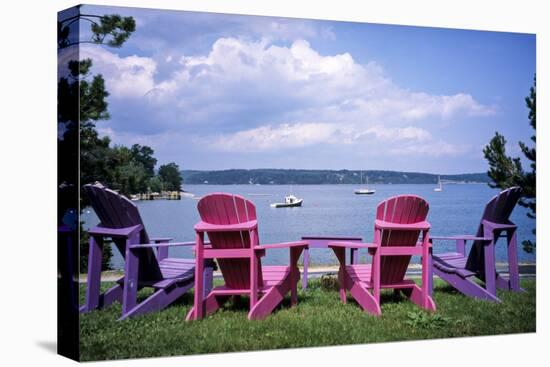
(185, 300)
(448, 289)
(386, 298)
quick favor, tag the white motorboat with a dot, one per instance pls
(290, 200)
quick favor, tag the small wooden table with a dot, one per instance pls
(322, 242)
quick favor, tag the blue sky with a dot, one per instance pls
(215, 91)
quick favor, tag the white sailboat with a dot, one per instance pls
(364, 190)
(439, 187)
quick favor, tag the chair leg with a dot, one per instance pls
(198, 306)
(129, 291)
(269, 301)
(430, 284)
(211, 304)
(294, 287)
(490, 270)
(364, 298)
(342, 281)
(294, 275)
(419, 297)
(254, 271)
(94, 274)
(375, 276)
(341, 255)
(513, 267)
(306, 265)
(427, 277)
(112, 295)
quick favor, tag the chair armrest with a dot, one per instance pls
(303, 244)
(207, 227)
(165, 244)
(419, 226)
(114, 232)
(357, 245)
(161, 239)
(465, 237)
(493, 225)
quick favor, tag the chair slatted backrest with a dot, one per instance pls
(403, 209)
(116, 211)
(221, 209)
(497, 210)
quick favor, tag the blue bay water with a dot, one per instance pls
(327, 210)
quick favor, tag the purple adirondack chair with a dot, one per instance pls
(399, 222)
(144, 267)
(459, 270)
(232, 228)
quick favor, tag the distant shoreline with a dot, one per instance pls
(327, 184)
(266, 176)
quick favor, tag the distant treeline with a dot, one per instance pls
(317, 177)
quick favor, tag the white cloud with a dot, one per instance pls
(266, 97)
(437, 148)
(131, 76)
(275, 137)
(422, 105)
(409, 133)
(298, 74)
(284, 136)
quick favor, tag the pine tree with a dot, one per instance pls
(506, 172)
(81, 102)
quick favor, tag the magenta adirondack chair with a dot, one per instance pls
(400, 221)
(232, 228)
(169, 277)
(460, 270)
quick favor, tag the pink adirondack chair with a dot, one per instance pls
(232, 228)
(399, 222)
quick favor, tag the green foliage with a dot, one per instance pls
(82, 101)
(329, 282)
(319, 319)
(127, 170)
(93, 98)
(170, 175)
(116, 27)
(144, 155)
(111, 30)
(128, 175)
(156, 184)
(423, 320)
(506, 171)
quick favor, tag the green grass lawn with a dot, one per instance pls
(319, 319)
